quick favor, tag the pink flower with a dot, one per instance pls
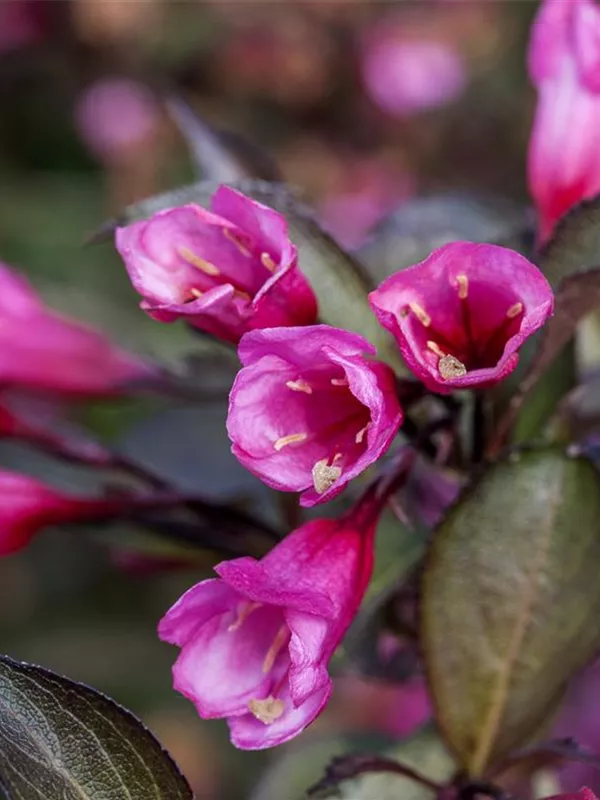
(461, 315)
(227, 271)
(579, 718)
(406, 75)
(26, 505)
(564, 65)
(309, 412)
(115, 115)
(256, 642)
(41, 350)
(584, 794)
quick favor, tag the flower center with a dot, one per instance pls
(476, 351)
(328, 420)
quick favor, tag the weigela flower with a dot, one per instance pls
(564, 65)
(227, 271)
(255, 643)
(404, 75)
(41, 350)
(27, 505)
(309, 411)
(461, 315)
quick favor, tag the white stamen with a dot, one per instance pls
(236, 241)
(463, 286)
(514, 310)
(292, 438)
(243, 612)
(199, 263)
(339, 382)
(434, 347)
(299, 386)
(196, 292)
(280, 639)
(361, 434)
(267, 262)
(420, 314)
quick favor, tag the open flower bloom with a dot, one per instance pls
(227, 271)
(564, 65)
(27, 505)
(461, 315)
(39, 349)
(255, 643)
(309, 412)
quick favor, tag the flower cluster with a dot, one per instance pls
(310, 410)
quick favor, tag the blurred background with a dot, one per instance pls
(366, 106)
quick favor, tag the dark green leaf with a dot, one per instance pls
(576, 296)
(338, 279)
(511, 600)
(575, 244)
(220, 156)
(61, 740)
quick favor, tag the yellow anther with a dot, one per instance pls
(463, 286)
(267, 262)
(236, 241)
(514, 310)
(243, 612)
(242, 295)
(199, 263)
(420, 314)
(299, 386)
(267, 710)
(196, 292)
(324, 475)
(361, 434)
(450, 367)
(292, 438)
(280, 640)
(339, 381)
(435, 348)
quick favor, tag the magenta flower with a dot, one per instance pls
(227, 271)
(583, 794)
(461, 315)
(116, 115)
(256, 642)
(309, 412)
(564, 65)
(27, 505)
(404, 75)
(41, 350)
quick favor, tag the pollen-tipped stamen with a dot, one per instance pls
(267, 710)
